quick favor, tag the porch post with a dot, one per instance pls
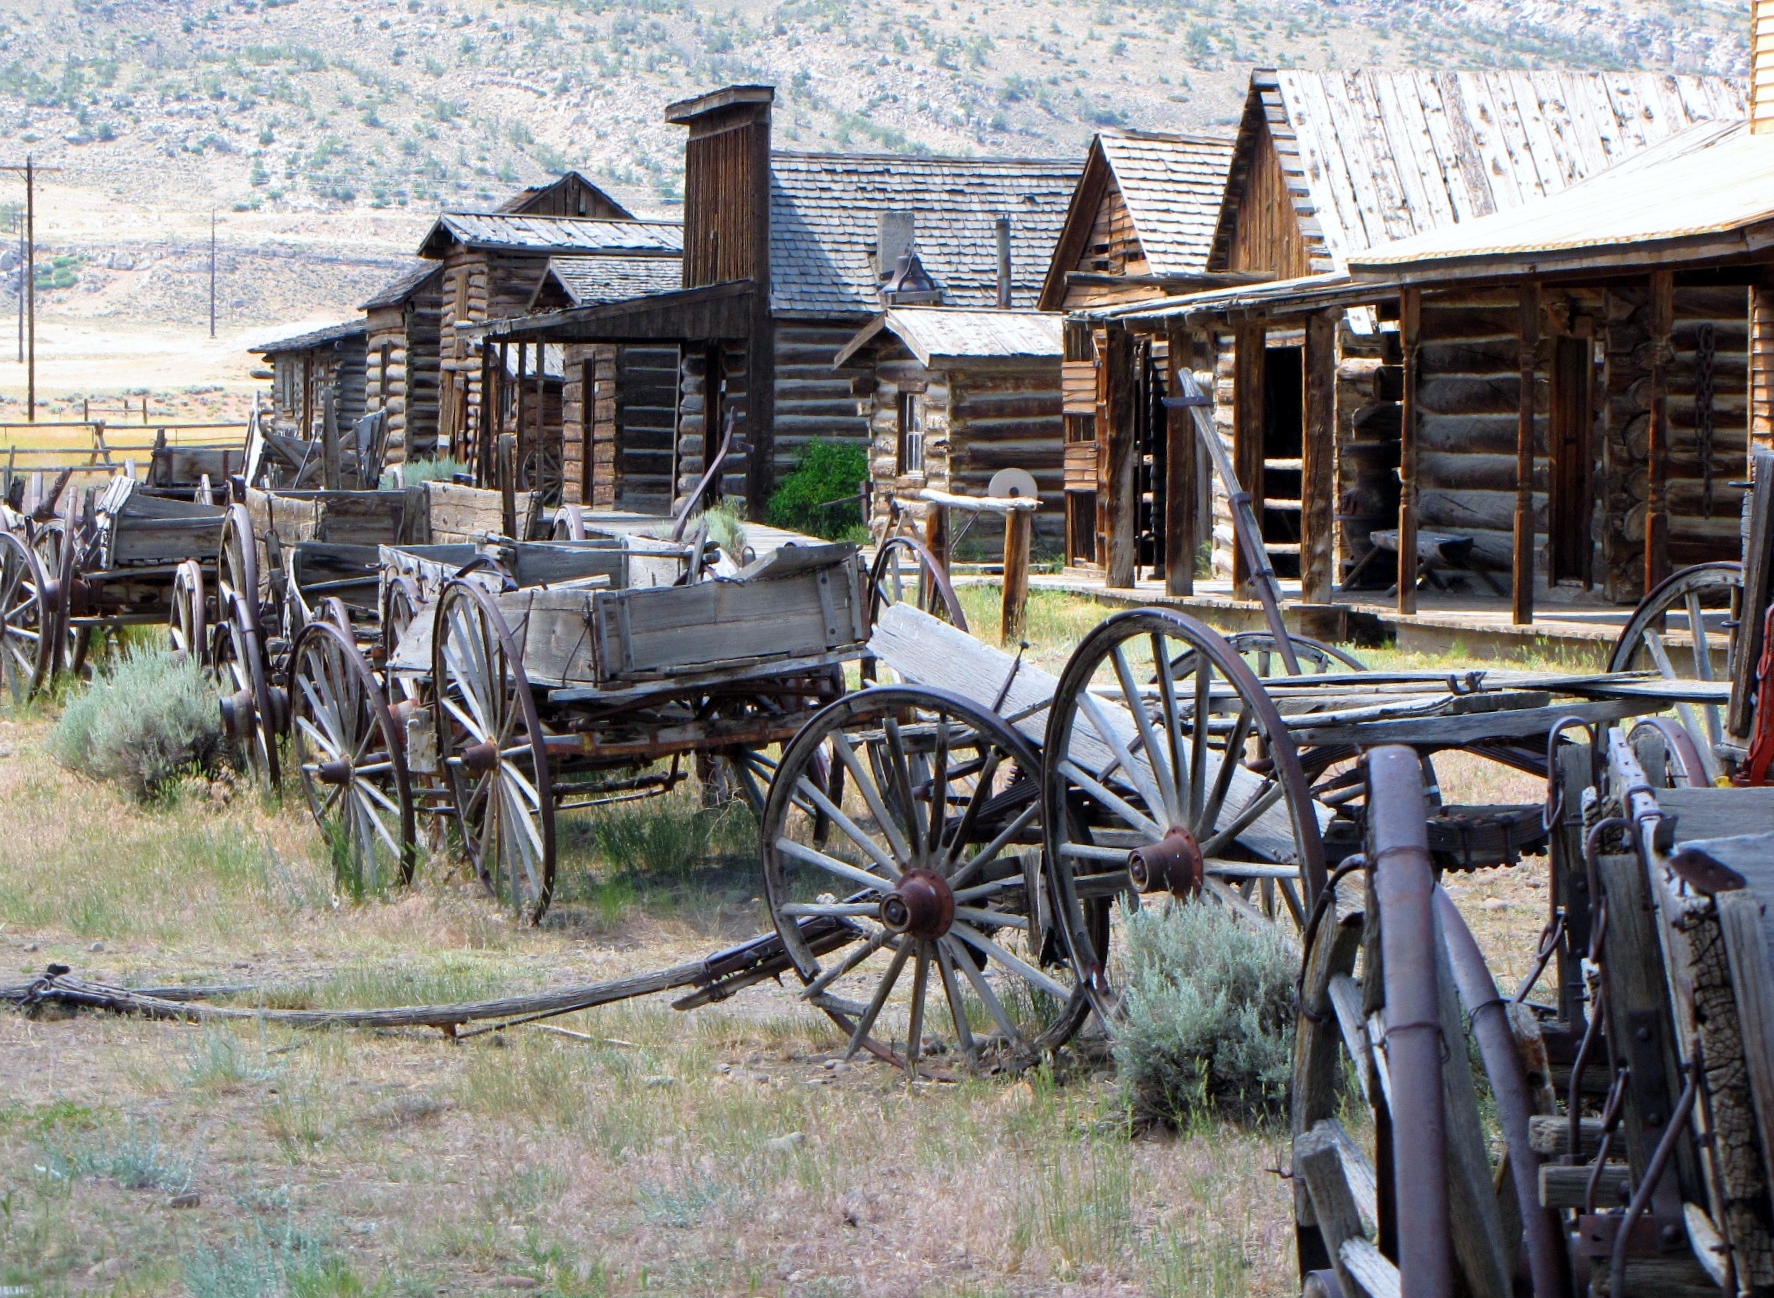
(1410, 325)
(1528, 338)
(1319, 455)
(1247, 435)
(1761, 363)
(1179, 475)
(1115, 424)
(1657, 452)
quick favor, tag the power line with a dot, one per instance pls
(31, 171)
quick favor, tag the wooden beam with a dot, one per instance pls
(1247, 434)
(1179, 475)
(1318, 478)
(1410, 324)
(1528, 340)
(1114, 425)
(1662, 309)
(1761, 363)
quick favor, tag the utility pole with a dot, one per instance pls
(212, 272)
(21, 287)
(31, 171)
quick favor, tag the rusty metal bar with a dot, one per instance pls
(1404, 886)
(1509, 1086)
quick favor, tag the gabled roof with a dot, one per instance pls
(1172, 186)
(313, 338)
(593, 281)
(939, 335)
(823, 210)
(569, 194)
(549, 234)
(404, 285)
(1373, 156)
(1707, 195)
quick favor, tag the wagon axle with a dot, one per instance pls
(1173, 864)
(922, 906)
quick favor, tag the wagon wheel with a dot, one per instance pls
(905, 570)
(491, 743)
(237, 570)
(250, 709)
(569, 523)
(27, 654)
(400, 605)
(921, 864)
(60, 568)
(334, 610)
(1225, 807)
(1316, 658)
(188, 626)
(1709, 599)
(349, 753)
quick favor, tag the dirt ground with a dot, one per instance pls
(622, 1150)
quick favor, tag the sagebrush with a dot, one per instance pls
(147, 719)
(441, 469)
(819, 495)
(1208, 1016)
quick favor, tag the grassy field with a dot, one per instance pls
(724, 1151)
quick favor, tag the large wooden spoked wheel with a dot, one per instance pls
(237, 572)
(400, 605)
(1705, 602)
(252, 712)
(27, 644)
(188, 623)
(56, 557)
(1169, 771)
(904, 570)
(930, 857)
(349, 754)
(491, 744)
(1260, 654)
(569, 523)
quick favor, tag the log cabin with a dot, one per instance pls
(1328, 166)
(1140, 225)
(492, 264)
(401, 377)
(309, 369)
(786, 256)
(956, 394)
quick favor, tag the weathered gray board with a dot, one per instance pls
(149, 531)
(798, 602)
(924, 651)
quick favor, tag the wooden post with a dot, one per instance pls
(1247, 435)
(1318, 478)
(1657, 476)
(1410, 324)
(1761, 363)
(936, 540)
(1179, 477)
(521, 413)
(1114, 425)
(1528, 339)
(329, 444)
(508, 484)
(1019, 527)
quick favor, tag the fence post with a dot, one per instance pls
(1019, 526)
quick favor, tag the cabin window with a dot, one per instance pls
(911, 432)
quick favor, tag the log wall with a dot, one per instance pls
(402, 373)
(813, 399)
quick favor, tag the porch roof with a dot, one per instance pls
(1275, 298)
(938, 334)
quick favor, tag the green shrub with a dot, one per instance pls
(726, 528)
(1208, 1015)
(441, 469)
(147, 719)
(825, 474)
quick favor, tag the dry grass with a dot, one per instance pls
(714, 1152)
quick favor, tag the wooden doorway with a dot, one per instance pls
(1278, 489)
(1571, 443)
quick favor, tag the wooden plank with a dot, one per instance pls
(1456, 730)
(1114, 423)
(1746, 946)
(1318, 1160)
(1528, 339)
(1714, 814)
(1018, 533)
(1566, 1187)
(1371, 1271)
(1317, 1061)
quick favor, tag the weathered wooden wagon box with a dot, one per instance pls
(144, 531)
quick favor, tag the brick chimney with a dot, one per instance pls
(1761, 67)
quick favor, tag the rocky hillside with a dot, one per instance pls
(325, 129)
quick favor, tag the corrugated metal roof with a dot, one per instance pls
(1375, 156)
(313, 338)
(936, 334)
(1710, 192)
(593, 281)
(554, 233)
(403, 285)
(823, 210)
(1173, 186)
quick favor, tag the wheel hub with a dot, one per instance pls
(239, 717)
(922, 906)
(334, 772)
(481, 758)
(1173, 865)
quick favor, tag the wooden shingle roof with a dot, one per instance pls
(403, 286)
(594, 281)
(565, 234)
(823, 225)
(1377, 155)
(940, 335)
(1173, 186)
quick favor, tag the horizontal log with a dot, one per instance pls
(1474, 472)
(1486, 434)
(1039, 404)
(1470, 356)
(1482, 395)
(1442, 322)
(1459, 511)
